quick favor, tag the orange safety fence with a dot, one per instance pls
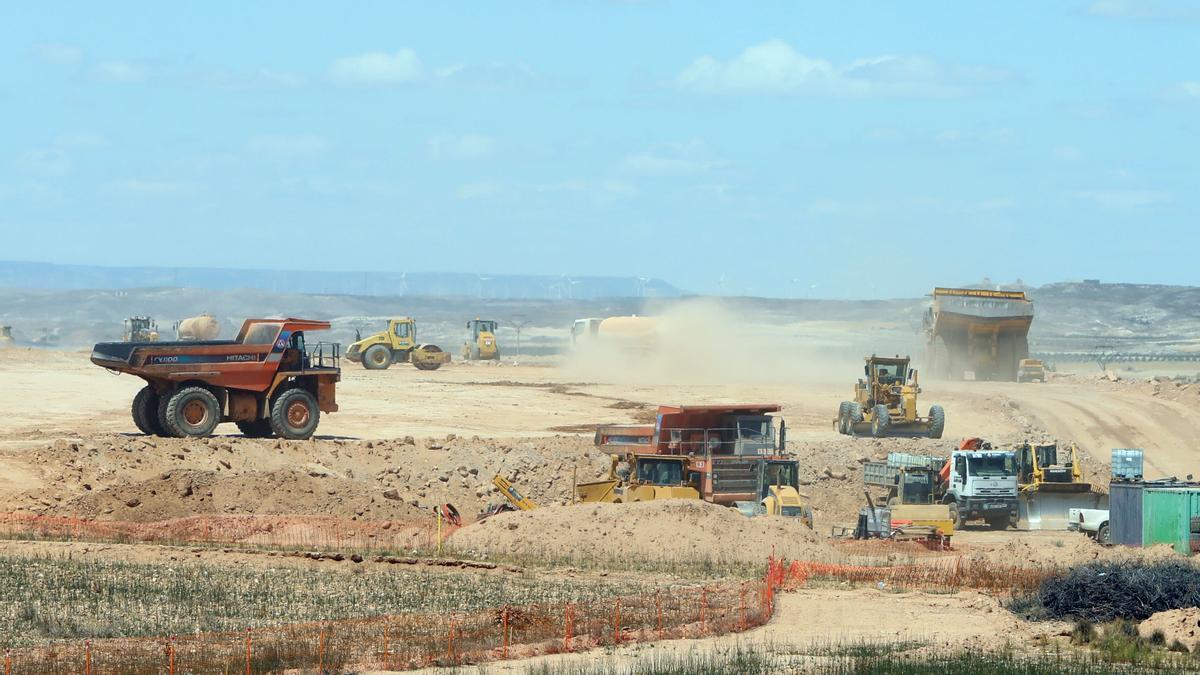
(307, 532)
(416, 640)
(949, 574)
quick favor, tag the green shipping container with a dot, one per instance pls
(1167, 516)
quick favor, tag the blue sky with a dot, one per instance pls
(842, 150)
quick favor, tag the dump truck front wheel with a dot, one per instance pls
(937, 421)
(294, 414)
(881, 421)
(192, 412)
(377, 357)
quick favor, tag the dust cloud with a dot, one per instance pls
(706, 341)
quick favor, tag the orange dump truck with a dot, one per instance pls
(266, 380)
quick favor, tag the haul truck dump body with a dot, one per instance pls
(977, 334)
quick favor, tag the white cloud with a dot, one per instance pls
(303, 145)
(375, 68)
(1143, 9)
(481, 190)
(57, 52)
(466, 146)
(672, 159)
(1124, 199)
(1183, 92)
(119, 72)
(137, 187)
(44, 162)
(774, 67)
(493, 76)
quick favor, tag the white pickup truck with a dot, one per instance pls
(1092, 522)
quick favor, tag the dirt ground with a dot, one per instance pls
(405, 440)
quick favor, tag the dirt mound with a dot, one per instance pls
(1071, 549)
(1182, 625)
(142, 478)
(675, 530)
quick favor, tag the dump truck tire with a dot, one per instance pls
(145, 411)
(294, 414)
(880, 422)
(256, 428)
(192, 412)
(161, 417)
(937, 421)
(377, 357)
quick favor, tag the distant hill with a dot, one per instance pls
(49, 276)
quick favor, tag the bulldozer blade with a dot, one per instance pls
(1048, 509)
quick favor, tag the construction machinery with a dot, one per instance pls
(885, 403)
(1031, 370)
(724, 454)
(481, 342)
(140, 329)
(397, 344)
(976, 334)
(203, 327)
(1051, 483)
(980, 483)
(913, 497)
(266, 380)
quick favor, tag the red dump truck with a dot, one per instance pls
(265, 380)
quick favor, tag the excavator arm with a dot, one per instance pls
(510, 493)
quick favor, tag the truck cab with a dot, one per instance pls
(584, 330)
(981, 484)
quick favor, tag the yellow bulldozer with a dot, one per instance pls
(481, 342)
(140, 329)
(885, 403)
(1050, 483)
(397, 344)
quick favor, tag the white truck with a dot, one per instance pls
(977, 484)
(982, 485)
(1092, 522)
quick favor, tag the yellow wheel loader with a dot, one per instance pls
(397, 344)
(885, 403)
(1050, 482)
(481, 342)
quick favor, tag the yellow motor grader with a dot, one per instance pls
(885, 403)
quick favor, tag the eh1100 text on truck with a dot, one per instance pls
(266, 380)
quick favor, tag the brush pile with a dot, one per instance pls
(1104, 591)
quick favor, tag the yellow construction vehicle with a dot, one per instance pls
(397, 344)
(518, 501)
(785, 500)
(640, 478)
(913, 502)
(1031, 370)
(885, 403)
(1050, 483)
(140, 329)
(976, 334)
(481, 342)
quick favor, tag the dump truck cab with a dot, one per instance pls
(481, 342)
(397, 344)
(267, 380)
